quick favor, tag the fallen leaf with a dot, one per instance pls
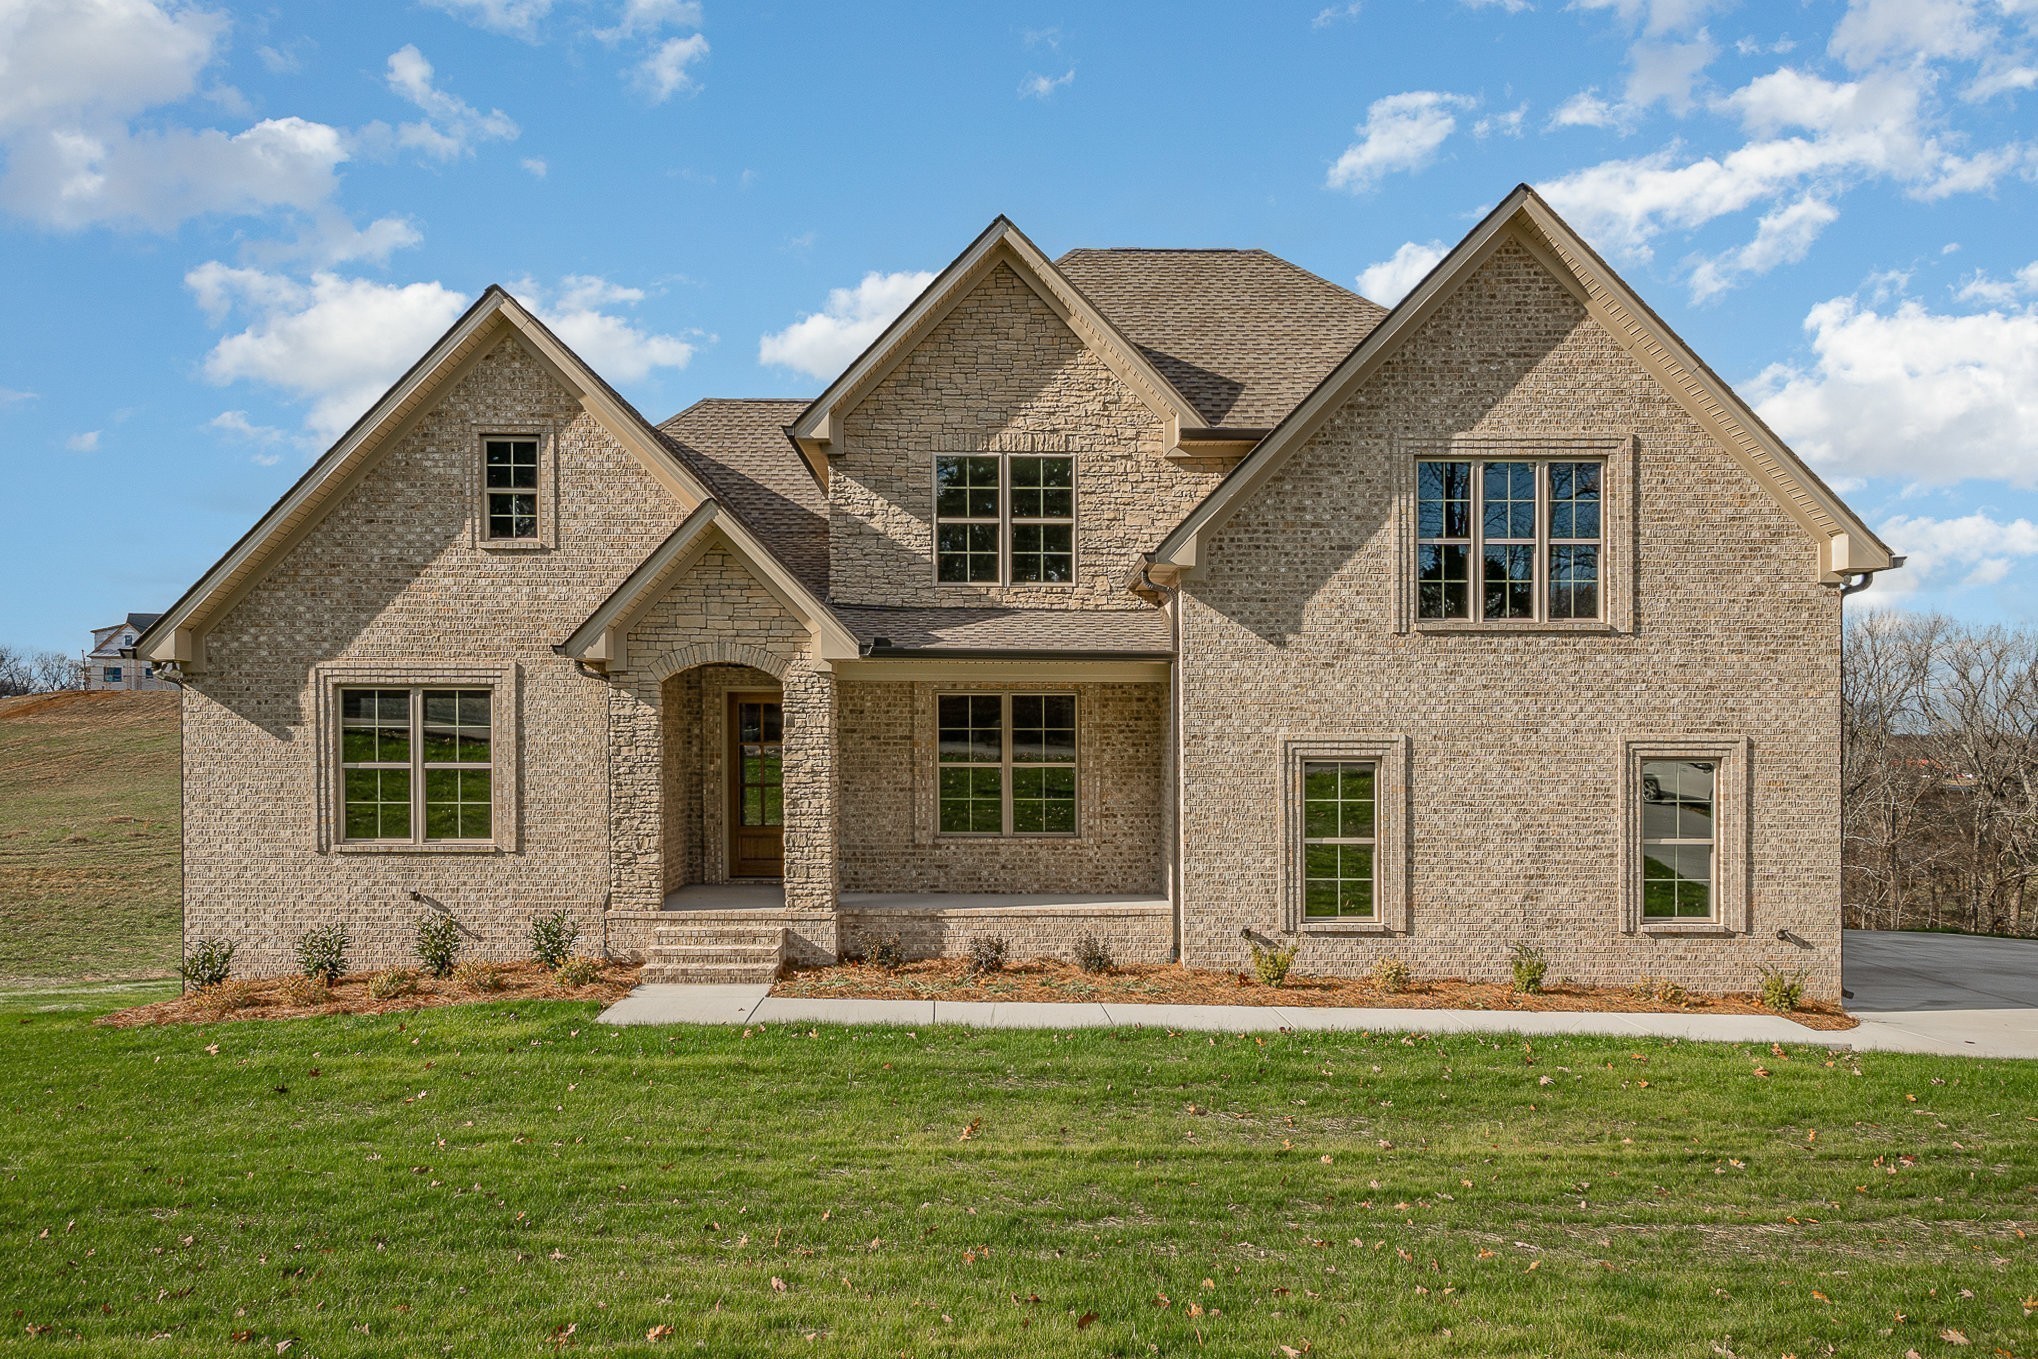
(1083, 1321)
(777, 1284)
(1953, 1337)
(970, 1129)
(659, 1332)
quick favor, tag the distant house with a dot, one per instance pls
(112, 662)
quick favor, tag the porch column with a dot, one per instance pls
(636, 804)
(813, 875)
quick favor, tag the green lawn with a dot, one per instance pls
(89, 837)
(487, 1179)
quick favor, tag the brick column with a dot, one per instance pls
(813, 873)
(636, 794)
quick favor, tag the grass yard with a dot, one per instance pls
(497, 1179)
(89, 837)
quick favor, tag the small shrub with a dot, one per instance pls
(579, 970)
(552, 938)
(223, 998)
(304, 991)
(1391, 975)
(1094, 955)
(1782, 991)
(438, 943)
(1659, 989)
(885, 952)
(987, 953)
(209, 963)
(322, 952)
(1270, 961)
(1529, 965)
(397, 981)
(481, 977)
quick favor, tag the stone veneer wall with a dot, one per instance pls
(889, 841)
(1001, 371)
(1514, 737)
(391, 576)
(696, 717)
(718, 614)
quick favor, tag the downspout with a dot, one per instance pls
(1173, 595)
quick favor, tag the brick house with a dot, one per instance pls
(1158, 595)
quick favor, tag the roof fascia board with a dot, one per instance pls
(294, 513)
(1181, 547)
(820, 425)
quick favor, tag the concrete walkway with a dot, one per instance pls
(1944, 994)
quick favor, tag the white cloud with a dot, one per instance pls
(643, 17)
(1803, 128)
(1038, 86)
(1970, 551)
(1655, 17)
(1784, 236)
(515, 18)
(669, 68)
(1994, 292)
(1668, 73)
(13, 396)
(330, 238)
(535, 166)
(1585, 109)
(1874, 31)
(822, 344)
(1910, 393)
(334, 342)
(73, 73)
(1511, 6)
(1508, 124)
(576, 310)
(1390, 280)
(85, 442)
(279, 60)
(451, 125)
(264, 437)
(1331, 14)
(1402, 132)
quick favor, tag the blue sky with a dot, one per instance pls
(224, 228)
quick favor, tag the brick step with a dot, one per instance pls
(761, 973)
(713, 953)
(761, 936)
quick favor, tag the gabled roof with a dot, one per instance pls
(741, 450)
(818, 427)
(1242, 333)
(178, 635)
(1847, 546)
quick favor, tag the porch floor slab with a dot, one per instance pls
(999, 901)
(727, 896)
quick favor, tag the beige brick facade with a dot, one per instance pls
(1512, 745)
(1514, 821)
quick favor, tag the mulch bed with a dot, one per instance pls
(1048, 980)
(290, 998)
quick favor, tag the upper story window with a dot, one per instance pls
(1005, 519)
(510, 489)
(1508, 540)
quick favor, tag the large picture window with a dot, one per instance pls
(1005, 518)
(1516, 539)
(416, 765)
(1006, 764)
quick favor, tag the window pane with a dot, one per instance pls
(512, 514)
(513, 463)
(1507, 582)
(1574, 499)
(375, 726)
(1443, 499)
(969, 727)
(966, 488)
(1677, 831)
(1043, 800)
(1043, 553)
(966, 552)
(1043, 728)
(1443, 579)
(1509, 491)
(457, 804)
(377, 804)
(1043, 488)
(970, 800)
(456, 726)
(1574, 582)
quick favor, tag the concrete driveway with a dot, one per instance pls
(1951, 993)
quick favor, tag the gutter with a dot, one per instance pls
(882, 648)
(1173, 594)
(1861, 580)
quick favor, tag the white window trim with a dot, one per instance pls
(1615, 451)
(1389, 756)
(1005, 763)
(548, 481)
(504, 707)
(1731, 798)
(1005, 519)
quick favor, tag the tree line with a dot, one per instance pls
(1939, 774)
(36, 672)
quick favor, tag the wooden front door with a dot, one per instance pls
(756, 786)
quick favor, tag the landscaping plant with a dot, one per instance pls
(1782, 991)
(322, 952)
(1093, 955)
(553, 937)
(987, 953)
(886, 952)
(1271, 961)
(1391, 975)
(1529, 965)
(579, 970)
(438, 943)
(482, 977)
(209, 963)
(397, 981)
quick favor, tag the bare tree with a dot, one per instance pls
(26, 672)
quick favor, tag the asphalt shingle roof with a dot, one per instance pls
(738, 446)
(1125, 632)
(1243, 334)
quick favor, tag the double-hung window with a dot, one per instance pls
(1678, 839)
(416, 764)
(1508, 540)
(1005, 519)
(510, 488)
(1006, 764)
(1339, 837)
